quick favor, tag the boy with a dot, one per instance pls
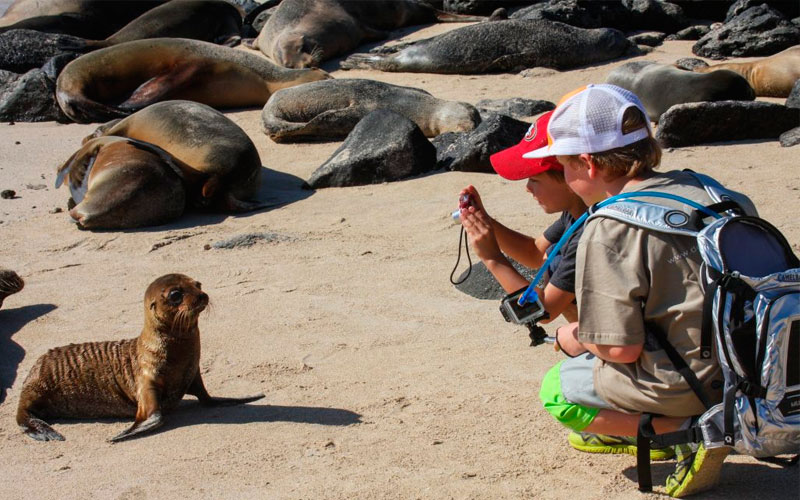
(629, 282)
(490, 238)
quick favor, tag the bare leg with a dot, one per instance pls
(614, 423)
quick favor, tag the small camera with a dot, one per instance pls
(515, 313)
(464, 201)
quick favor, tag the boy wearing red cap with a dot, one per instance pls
(491, 239)
(630, 282)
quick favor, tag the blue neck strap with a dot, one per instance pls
(530, 294)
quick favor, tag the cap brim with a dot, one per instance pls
(539, 153)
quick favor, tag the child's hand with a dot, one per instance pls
(475, 198)
(478, 226)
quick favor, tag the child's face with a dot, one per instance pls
(576, 176)
(553, 195)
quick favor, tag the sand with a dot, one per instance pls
(382, 380)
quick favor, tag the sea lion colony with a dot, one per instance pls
(147, 164)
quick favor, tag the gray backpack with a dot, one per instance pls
(751, 321)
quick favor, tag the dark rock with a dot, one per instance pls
(29, 97)
(470, 151)
(8, 194)
(723, 121)
(23, 50)
(516, 107)
(249, 239)
(246, 5)
(758, 31)
(475, 7)
(627, 15)
(793, 101)
(691, 33)
(384, 146)
(790, 138)
(690, 63)
(648, 38)
(481, 284)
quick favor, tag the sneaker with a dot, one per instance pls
(697, 469)
(600, 443)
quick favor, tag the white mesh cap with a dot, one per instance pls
(589, 120)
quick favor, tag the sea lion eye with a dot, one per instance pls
(175, 297)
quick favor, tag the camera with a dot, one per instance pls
(464, 201)
(515, 313)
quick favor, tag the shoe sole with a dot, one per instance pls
(703, 473)
(627, 449)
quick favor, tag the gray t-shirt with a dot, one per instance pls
(631, 280)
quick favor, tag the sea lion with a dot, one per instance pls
(142, 377)
(120, 183)
(10, 283)
(771, 76)
(661, 86)
(509, 45)
(83, 18)
(116, 81)
(219, 162)
(304, 33)
(215, 21)
(329, 110)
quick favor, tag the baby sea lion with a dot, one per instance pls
(141, 377)
(10, 283)
(304, 33)
(510, 45)
(661, 86)
(121, 183)
(329, 110)
(771, 76)
(115, 81)
(219, 162)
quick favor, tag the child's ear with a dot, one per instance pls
(587, 162)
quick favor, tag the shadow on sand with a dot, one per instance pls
(11, 353)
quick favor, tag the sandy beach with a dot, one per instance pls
(382, 380)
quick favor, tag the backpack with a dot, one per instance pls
(751, 320)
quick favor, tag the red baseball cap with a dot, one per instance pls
(510, 164)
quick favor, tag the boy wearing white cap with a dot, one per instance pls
(630, 281)
(491, 239)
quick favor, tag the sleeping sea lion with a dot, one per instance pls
(142, 377)
(510, 45)
(771, 76)
(329, 110)
(116, 81)
(304, 33)
(219, 162)
(120, 183)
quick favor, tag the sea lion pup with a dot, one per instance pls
(142, 377)
(499, 46)
(771, 76)
(661, 86)
(215, 21)
(219, 162)
(329, 110)
(304, 33)
(84, 18)
(116, 81)
(120, 183)
(10, 283)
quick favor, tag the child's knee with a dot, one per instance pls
(570, 415)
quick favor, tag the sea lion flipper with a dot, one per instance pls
(40, 430)
(159, 87)
(152, 422)
(198, 390)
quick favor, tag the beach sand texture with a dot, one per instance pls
(382, 379)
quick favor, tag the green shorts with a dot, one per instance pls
(568, 392)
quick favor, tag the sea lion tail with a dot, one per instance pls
(363, 61)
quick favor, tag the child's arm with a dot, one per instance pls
(567, 336)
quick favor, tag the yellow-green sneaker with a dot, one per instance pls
(600, 443)
(697, 469)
